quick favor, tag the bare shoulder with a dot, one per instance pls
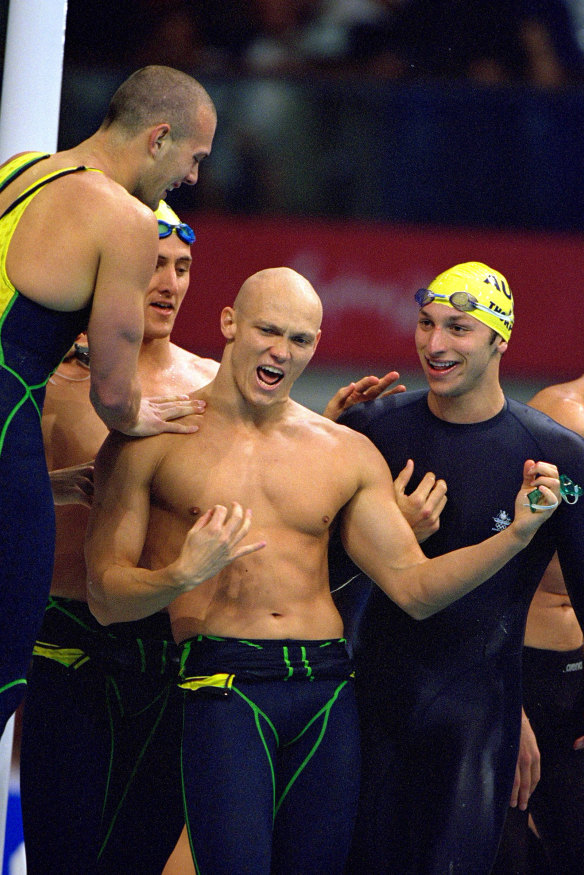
(355, 447)
(129, 458)
(564, 402)
(200, 370)
(83, 206)
(110, 210)
(205, 368)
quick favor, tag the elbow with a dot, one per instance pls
(414, 607)
(114, 405)
(98, 606)
(100, 614)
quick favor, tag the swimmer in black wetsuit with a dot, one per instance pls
(78, 244)
(440, 701)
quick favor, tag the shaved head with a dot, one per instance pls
(272, 331)
(157, 94)
(281, 288)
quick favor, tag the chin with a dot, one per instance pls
(152, 332)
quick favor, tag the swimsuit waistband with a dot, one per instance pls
(264, 659)
(558, 661)
(72, 636)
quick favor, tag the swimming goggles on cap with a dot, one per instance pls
(184, 232)
(462, 301)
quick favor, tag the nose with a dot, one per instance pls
(168, 280)
(192, 177)
(435, 342)
(279, 350)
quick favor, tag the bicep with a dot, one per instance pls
(374, 532)
(121, 506)
(116, 323)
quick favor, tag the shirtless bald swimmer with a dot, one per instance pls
(269, 708)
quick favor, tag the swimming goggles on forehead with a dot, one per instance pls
(463, 301)
(184, 232)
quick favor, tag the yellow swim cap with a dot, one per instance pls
(165, 213)
(480, 285)
(168, 221)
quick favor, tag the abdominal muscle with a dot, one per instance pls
(552, 622)
(257, 598)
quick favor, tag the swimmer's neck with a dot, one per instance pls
(466, 408)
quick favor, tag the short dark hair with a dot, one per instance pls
(157, 94)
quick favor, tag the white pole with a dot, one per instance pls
(5, 759)
(29, 119)
(33, 71)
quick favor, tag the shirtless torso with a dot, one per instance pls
(551, 622)
(267, 616)
(283, 590)
(73, 434)
(553, 697)
(119, 701)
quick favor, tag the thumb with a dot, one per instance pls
(527, 469)
(404, 477)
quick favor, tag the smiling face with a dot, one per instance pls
(168, 286)
(176, 162)
(272, 331)
(460, 357)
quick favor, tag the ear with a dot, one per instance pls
(317, 338)
(502, 345)
(157, 137)
(228, 323)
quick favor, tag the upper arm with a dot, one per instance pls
(127, 261)
(120, 512)
(375, 533)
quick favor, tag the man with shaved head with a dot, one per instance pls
(270, 753)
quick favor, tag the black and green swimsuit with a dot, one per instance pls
(270, 755)
(33, 340)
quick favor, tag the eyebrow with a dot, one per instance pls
(271, 326)
(454, 318)
(186, 258)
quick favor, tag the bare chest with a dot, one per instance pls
(288, 484)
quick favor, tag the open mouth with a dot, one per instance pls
(164, 306)
(440, 366)
(269, 375)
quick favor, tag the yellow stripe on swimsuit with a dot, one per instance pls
(220, 681)
(69, 656)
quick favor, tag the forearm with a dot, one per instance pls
(433, 584)
(121, 594)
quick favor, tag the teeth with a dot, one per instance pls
(270, 370)
(441, 365)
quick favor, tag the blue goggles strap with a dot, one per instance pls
(184, 231)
